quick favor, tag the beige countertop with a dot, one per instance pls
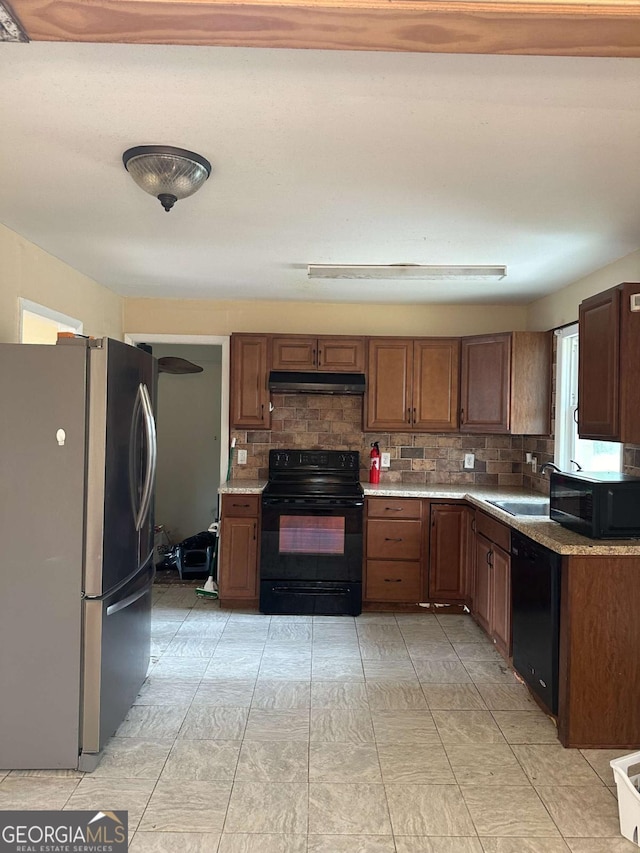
(544, 531)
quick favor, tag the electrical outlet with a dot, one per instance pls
(469, 460)
(242, 457)
(385, 461)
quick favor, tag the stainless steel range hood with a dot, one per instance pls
(290, 382)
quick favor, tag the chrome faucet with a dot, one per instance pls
(548, 465)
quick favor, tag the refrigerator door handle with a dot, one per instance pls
(143, 403)
(126, 602)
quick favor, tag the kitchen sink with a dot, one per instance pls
(524, 507)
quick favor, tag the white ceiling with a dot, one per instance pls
(322, 157)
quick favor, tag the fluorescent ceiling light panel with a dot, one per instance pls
(406, 271)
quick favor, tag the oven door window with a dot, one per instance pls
(311, 534)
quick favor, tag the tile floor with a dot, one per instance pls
(381, 734)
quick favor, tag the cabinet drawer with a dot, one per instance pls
(393, 508)
(391, 581)
(494, 530)
(236, 505)
(397, 540)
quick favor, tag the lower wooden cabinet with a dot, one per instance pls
(239, 540)
(491, 600)
(393, 580)
(395, 548)
(448, 553)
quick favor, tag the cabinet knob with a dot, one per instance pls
(408, 416)
(461, 416)
(313, 358)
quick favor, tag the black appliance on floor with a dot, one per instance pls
(311, 543)
(535, 591)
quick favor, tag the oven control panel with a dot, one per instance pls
(318, 460)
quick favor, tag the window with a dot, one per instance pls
(590, 455)
(40, 325)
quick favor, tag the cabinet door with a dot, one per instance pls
(501, 600)
(599, 366)
(238, 570)
(341, 355)
(294, 352)
(485, 383)
(389, 384)
(249, 394)
(448, 549)
(482, 591)
(436, 368)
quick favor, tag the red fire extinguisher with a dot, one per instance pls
(374, 470)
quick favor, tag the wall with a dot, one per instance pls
(208, 317)
(318, 421)
(29, 272)
(188, 442)
(561, 307)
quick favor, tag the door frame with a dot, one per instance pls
(213, 340)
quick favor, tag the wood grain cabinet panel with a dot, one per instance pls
(396, 548)
(412, 385)
(388, 398)
(332, 354)
(505, 383)
(393, 580)
(492, 585)
(397, 540)
(448, 552)
(609, 352)
(239, 538)
(249, 395)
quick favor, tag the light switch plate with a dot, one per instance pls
(242, 457)
(469, 460)
(385, 460)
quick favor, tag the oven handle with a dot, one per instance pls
(312, 504)
(309, 590)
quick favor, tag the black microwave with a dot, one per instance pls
(601, 505)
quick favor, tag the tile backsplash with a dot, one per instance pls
(317, 421)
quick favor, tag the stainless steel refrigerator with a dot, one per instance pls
(77, 467)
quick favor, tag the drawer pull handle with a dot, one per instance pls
(391, 539)
(393, 580)
(394, 509)
(244, 506)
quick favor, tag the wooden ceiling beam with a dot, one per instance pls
(464, 26)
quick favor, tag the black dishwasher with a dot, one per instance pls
(535, 590)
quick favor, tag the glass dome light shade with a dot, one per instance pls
(165, 172)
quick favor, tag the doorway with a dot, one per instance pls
(193, 433)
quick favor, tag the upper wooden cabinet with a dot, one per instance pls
(412, 385)
(249, 373)
(506, 383)
(332, 354)
(609, 351)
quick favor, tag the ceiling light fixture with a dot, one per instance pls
(406, 271)
(165, 172)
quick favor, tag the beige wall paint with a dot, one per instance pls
(208, 317)
(29, 272)
(561, 307)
